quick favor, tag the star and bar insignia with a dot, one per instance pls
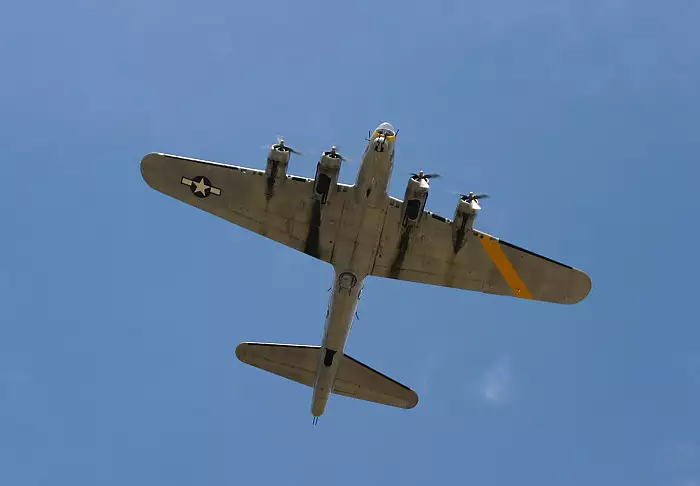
(201, 186)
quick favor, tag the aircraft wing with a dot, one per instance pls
(482, 263)
(238, 194)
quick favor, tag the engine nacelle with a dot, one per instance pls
(277, 162)
(465, 215)
(326, 177)
(276, 169)
(414, 201)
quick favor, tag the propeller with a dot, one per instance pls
(420, 175)
(334, 154)
(281, 146)
(473, 197)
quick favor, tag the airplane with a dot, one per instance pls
(362, 232)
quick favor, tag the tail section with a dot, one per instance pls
(354, 379)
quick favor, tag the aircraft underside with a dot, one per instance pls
(361, 231)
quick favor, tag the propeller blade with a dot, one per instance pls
(334, 153)
(471, 196)
(342, 157)
(281, 145)
(420, 175)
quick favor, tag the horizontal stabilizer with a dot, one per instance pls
(357, 380)
(295, 362)
(353, 379)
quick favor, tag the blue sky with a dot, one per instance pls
(117, 360)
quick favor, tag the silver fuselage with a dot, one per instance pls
(362, 225)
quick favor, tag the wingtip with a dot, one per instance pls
(147, 163)
(411, 399)
(581, 287)
(413, 402)
(148, 157)
(240, 351)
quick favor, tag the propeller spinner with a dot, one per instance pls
(420, 175)
(333, 153)
(281, 146)
(473, 197)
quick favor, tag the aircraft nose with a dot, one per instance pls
(385, 129)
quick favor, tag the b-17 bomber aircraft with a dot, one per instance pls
(362, 232)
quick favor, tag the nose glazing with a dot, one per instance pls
(385, 129)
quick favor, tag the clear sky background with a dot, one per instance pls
(121, 307)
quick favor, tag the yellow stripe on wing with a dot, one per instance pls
(493, 249)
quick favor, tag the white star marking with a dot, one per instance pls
(200, 187)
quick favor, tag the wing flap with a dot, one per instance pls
(357, 380)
